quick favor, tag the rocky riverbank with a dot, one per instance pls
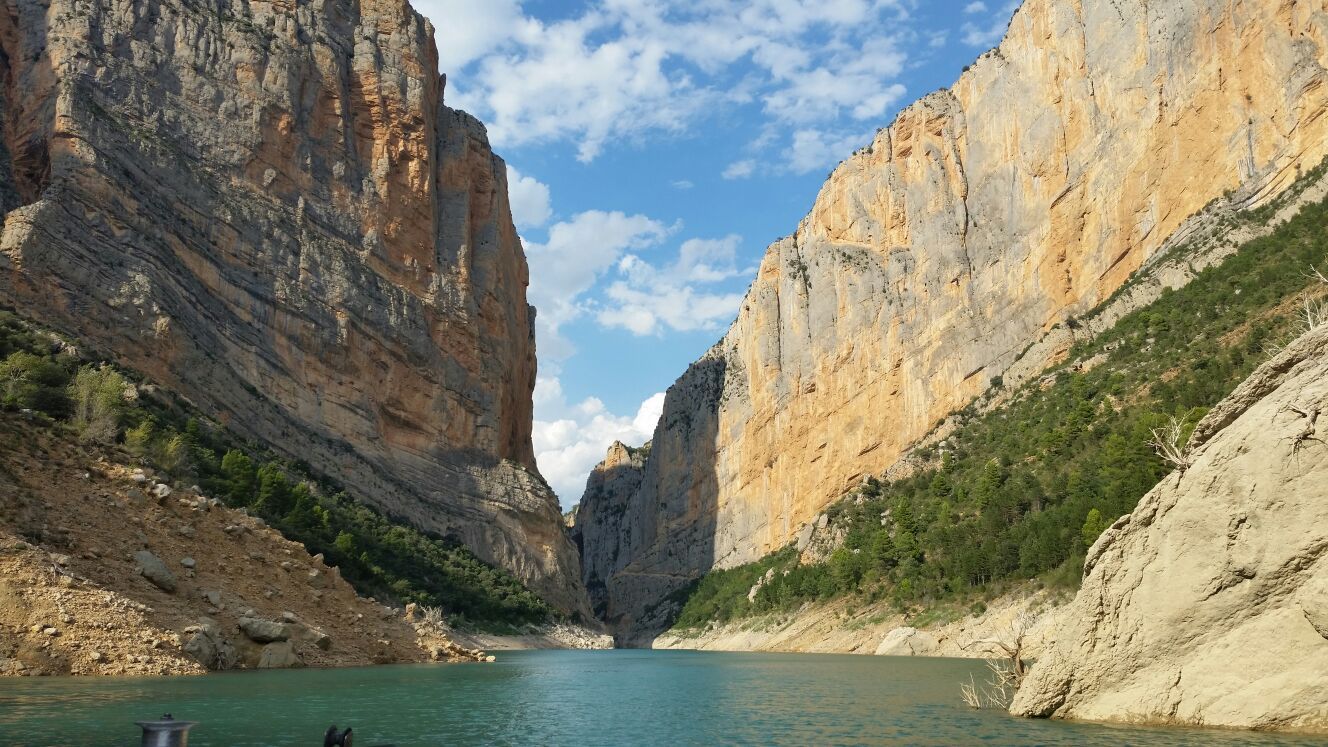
(558, 635)
(105, 571)
(843, 628)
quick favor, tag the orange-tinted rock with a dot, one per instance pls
(267, 207)
(987, 213)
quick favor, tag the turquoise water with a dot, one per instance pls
(565, 698)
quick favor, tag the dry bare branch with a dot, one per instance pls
(1314, 314)
(431, 616)
(1006, 666)
(1309, 432)
(1168, 442)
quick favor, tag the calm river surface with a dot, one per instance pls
(565, 698)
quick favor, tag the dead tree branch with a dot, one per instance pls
(1168, 442)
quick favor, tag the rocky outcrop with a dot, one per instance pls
(268, 208)
(987, 213)
(1206, 605)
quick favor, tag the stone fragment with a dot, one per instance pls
(264, 631)
(279, 655)
(153, 569)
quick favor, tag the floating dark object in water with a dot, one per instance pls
(166, 732)
(333, 738)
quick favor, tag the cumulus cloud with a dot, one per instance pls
(682, 184)
(987, 34)
(466, 30)
(815, 149)
(975, 7)
(568, 264)
(571, 438)
(647, 300)
(529, 198)
(626, 70)
(740, 169)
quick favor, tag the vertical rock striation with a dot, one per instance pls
(610, 484)
(268, 207)
(986, 214)
(1209, 603)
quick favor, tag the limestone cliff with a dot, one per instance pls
(267, 207)
(988, 212)
(610, 484)
(1209, 603)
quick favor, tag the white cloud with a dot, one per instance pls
(646, 300)
(682, 184)
(571, 438)
(815, 149)
(975, 7)
(628, 70)
(568, 264)
(466, 30)
(988, 34)
(529, 198)
(740, 169)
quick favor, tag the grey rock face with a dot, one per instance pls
(269, 209)
(264, 631)
(153, 569)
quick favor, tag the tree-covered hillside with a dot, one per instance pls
(379, 556)
(1022, 490)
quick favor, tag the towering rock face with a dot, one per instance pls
(986, 214)
(610, 485)
(267, 207)
(1209, 603)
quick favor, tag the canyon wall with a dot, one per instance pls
(1208, 604)
(267, 207)
(985, 215)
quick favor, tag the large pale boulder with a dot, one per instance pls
(1209, 603)
(907, 642)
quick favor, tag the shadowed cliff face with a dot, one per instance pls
(987, 213)
(645, 524)
(268, 208)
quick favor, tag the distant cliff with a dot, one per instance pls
(986, 214)
(1209, 603)
(269, 208)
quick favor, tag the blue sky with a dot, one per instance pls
(655, 148)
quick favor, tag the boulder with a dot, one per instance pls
(279, 655)
(1208, 604)
(259, 630)
(907, 642)
(209, 646)
(153, 569)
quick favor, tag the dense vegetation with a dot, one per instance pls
(1023, 490)
(376, 555)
